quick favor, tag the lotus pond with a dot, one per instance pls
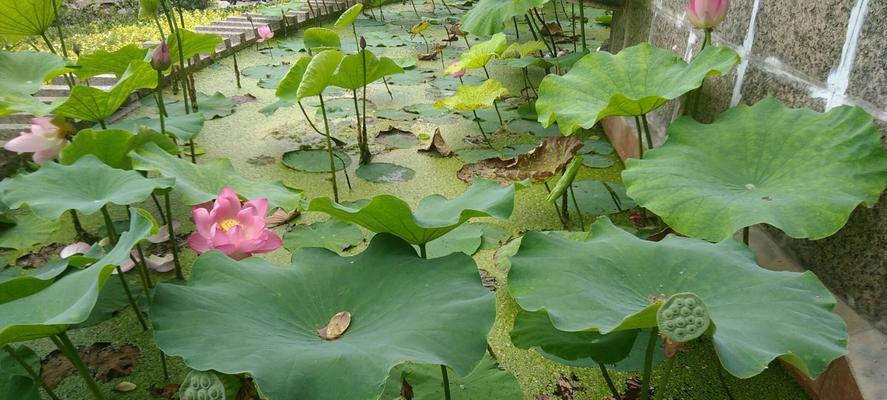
(413, 201)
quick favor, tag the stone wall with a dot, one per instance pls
(817, 54)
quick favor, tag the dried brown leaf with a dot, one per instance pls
(337, 326)
(438, 146)
(542, 163)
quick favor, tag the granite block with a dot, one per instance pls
(868, 79)
(759, 84)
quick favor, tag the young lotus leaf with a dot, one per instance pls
(23, 72)
(263, 320)
(480, 54)
(105, 62)
(199, 183)
(331, 234)
(318, 73)
(470, 98)
(112, 147)
(542, 163)
(93, 104)
(195, 43)
(25, 230)
(488, 17)
(636, 81)
(85, 186)
(762, 164)
(349, 16)
(15, 382)
(487, 381)
(71, 298)
(351, 71)
(184, 127)
(320, 39)
(618, 282)
(27, 17)
(433, 218)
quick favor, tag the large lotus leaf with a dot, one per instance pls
(25, 230)
(351, 73)
(488, 17)
(318, 73)
(636, 81)
(71, 298)
(93, 104)
(487, 381)
(480, 54)
(109, 62)
(288, 89)
(470, 98)
(349, 16)
(85, 186)
(617, 282)
(433, 218)
(195, 43)
(23, 72)
(112, 147)
(542, 163)
(15, 382)
(331, 234)
(319, 39)
(184, 127)
(263, 320)
(199, 183)
(27, 17)
(799, 170)
(13, 287)
(26, 104)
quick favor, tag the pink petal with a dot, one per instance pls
(202, 220)
(45, 124)
(27, 142)
(226, 207)
(74, 248)
(199, 243)
(259, 205)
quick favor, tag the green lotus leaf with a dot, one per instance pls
(519, 50)
(318, 73)
(109, 62)
(18, 286)
(26, 104)
(15, 382)
(315, 160)
(288, 88)
(618, 282)
(320, 39)
(594, 198)
(71, 298)
(87, 185)
(636, 81)
(112, 147)
(26, 230)
(487, 381)
(351, 71)
(211, 107)
(112, 299)
(480, 54)
(199, 183)
(466, 238)
(184, 127)
(148, 9)
(27, 17)
(23, 72)
(288, 309)
(470, 98)
(93, 104)
(194, 44)
(487, 17)
(385, 172)
(799, 170)
(269, 76)
(433, 218)
(349, 16)
(530, 61)
(332, 234)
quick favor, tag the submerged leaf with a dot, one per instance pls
(542, 163)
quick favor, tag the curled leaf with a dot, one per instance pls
(539, 165)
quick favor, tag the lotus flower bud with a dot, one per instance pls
(76, 48)
(160, 58)
(363, 42)
(707, 14)
(264, 32)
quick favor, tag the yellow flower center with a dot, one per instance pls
(227, 224)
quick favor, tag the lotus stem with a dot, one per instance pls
(131, 299)
(414, 9)
(433, 7)
(329, 148)
(193, 151)
(236, 69)
(647, 131)
(423, 252)
(381, 13)
(364, 98)
(427, 46)
(344, 171)
(365, 155)
(550, 35)
(109, 225)
(565, 207)
(578, 210)
(516, 30)
(663, 385)
(159, 209)
(304, 113)
(174, 246)
(481, 128)
(724, 383)
(745, 235)
(648, 364)
(63, 342)
(33, 374)
(557, 209)
(385, 81)
(606, 375)
(148, 280)
(446, 381)
(180, 76)
(163, 365)
(447, 6)
(75, 219)
(533, 31)
(613, 196)
(637, 123)
(142, 268)
(582, 25)
(573, 26)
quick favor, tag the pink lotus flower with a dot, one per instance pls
(265, 33)
(456, 73)
(45, 140)
(707, 14)
(234, 229)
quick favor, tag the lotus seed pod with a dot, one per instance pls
(683, 317)
(202, 385)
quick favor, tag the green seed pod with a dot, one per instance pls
(202, 385)
(683, 317)
(566, 180)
